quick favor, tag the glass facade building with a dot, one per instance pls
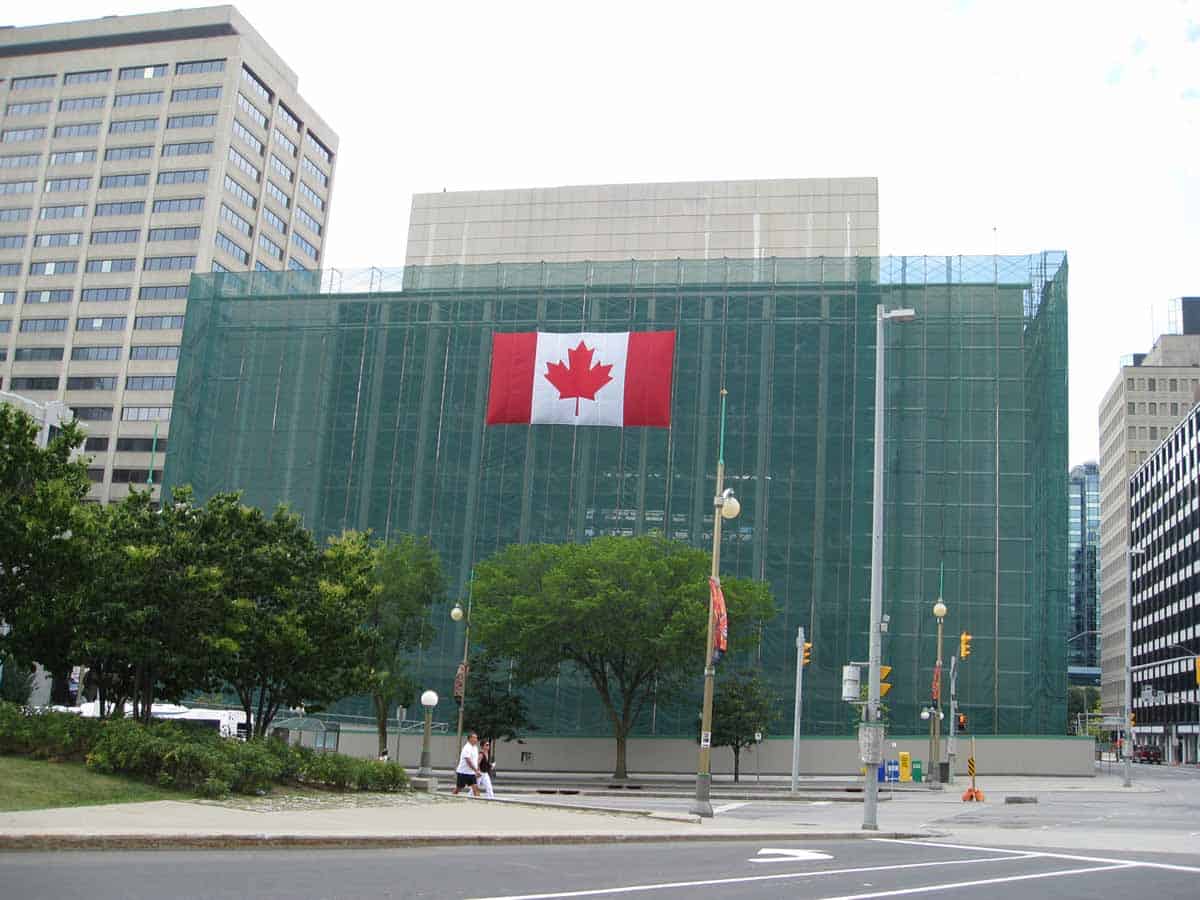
(1083, 575)
(361, 405)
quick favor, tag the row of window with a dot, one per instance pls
(179, 262)
(100, 76)
(96, 353)
(114, 208)
(127, 476)
(112, 154)
(117, 126)
(100, 294)
(140, 98)
(1161, 384)
(128, 413)
(95, 323)
(92, 383)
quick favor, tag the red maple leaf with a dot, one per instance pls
(579, 378)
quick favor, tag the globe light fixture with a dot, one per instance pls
(457, 613)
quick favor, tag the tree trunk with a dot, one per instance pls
(381, 711)
(619, 771)
(737, 763)
(60, 688)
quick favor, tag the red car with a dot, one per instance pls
(1147, 753)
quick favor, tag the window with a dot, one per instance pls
(278, 193)
(188, 148)
(17, 187)
(59, 239)
(1150, 384)
(247, 138)
(1130, 408)
(217, 267)
(96, 445)
(117, 236)
(16, 135)
(1154, 409)
(240, 192)
(80, 129)
(12, 241)
(154, 351)
(157, 323)
(75, 211)
(8, 298)
(96, 76)
(256, 86)
(270, 246)
(132, 126)
(317, 147)
(274, 221)
(109, 265)
(35, 326)
(308, 221)
(150, 383)
(131, 72)
(284, 141)
(164, 292)
(191, 95)
(260, 266)
(296, 266)
(27, 109)
(136, 179)
(236, 221)
(141, 445)
(93, 414)
(179, 204)
(183, 176)
(91, 382)
(5, 326)
(38, 354)
(41, 383)
(33, 82)
(10, 269)
(251, 110)
(142, 98)
(311, 196)
(72, 158)
(121, 208)
(1174, 409)
(304, 245)
(168, 263)
(74, 104)
(63, 185)
(177, 233)
(1153, 433)
(136, 476)
(197, 120)
(146, 414)
(200, 66)
(244, 164)
(56, 296)
(104, 295)
(95, 354)
(231, 248)
(1174, 384)
(114, 154)
(288, 117)
(14, 213)
(53, 267)
(100, 323)
(20, 160)
(278, 166)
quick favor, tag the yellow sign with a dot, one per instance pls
(884, 672)
(884, 687)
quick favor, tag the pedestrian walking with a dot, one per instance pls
(485, 770)
(467, 771)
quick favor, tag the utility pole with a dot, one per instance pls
(950, 744)
(796, 711)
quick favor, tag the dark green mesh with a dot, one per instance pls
(366, 410)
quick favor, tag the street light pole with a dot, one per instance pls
(871, 721)
(725, 506)
(796, 710)
(429, 700)
(1127, 770)
(935, 724)
(464, 668)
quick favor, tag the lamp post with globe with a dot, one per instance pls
(464, 668)
(429, 700)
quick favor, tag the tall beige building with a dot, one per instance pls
(135, 150)
(796, 217)
(1149, 397)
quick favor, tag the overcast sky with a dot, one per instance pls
(1004, 127)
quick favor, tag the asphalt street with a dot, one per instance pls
(846, 870)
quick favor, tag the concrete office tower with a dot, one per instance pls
(786, 218)
(1083, 570)
(135, 150)
(1148, 398)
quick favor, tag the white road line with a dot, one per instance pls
(749, 879)
(1074, 857)
(728, 806)
(930, 888)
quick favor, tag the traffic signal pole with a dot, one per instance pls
(950, 744)
(796, 712)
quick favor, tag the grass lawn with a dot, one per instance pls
(35, 784)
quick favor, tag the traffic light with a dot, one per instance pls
(1133, 720)
(964, 645)
(962, 721)
(884, 687)
(807, 652)
(1197, 666)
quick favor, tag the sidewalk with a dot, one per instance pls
(420, 819)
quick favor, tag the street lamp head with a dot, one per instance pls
(457, 613)
(939, 609)
(925, 714)
(429, 699)
(730, 507)
(900, 315)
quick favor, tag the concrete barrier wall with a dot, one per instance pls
(995, 755)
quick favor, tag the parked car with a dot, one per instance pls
(1147, 753)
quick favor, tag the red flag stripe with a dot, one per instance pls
(510, 400)
(648, 369)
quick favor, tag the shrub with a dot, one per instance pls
(46, 735)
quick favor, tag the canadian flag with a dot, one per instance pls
(590, 378)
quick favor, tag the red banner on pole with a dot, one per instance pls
(937, 682)
(720, 620)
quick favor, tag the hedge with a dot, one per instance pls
(174, 755)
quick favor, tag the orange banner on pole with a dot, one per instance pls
(720, 619)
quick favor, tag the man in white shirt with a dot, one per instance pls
(467, 770)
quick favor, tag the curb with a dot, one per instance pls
(46, 842)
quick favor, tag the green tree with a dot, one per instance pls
(493, 709)
(742, 706)
(1081, 699)
(408, 581)
(41, 502)
(16, 680)
(630, 613)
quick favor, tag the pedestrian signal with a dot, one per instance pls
(884, 687)
(964, 645)
(807, 652)
(962, 721)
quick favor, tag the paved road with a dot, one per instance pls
(847, 870)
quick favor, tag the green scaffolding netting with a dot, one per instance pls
(359, 401)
